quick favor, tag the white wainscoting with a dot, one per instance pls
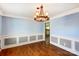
(1, 43)
(69, 44)
(7, 41)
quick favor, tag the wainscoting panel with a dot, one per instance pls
(65, 42)
(54, 39)
(0, 44)
(32, 38)
(77, 46)
(23, 39)
(13, 41)
(69, 44)
(40, 37)
(9, 41)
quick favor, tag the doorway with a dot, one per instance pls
(47, 32)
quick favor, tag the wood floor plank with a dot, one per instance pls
(35, 49)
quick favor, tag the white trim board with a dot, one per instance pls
(3, 46)
(72, 49)
(15, 45)
(69, 50)
(64, 13)
(67, 12)
(1, 13)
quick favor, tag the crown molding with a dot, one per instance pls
(1, 13)
(67, 12)
(14, 16)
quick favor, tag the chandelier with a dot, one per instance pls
(40, 14)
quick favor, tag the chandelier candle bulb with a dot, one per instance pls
(46, 14)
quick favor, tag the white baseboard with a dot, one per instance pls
(15, 45)
(72, 49)
(17, 40)
(67, 49)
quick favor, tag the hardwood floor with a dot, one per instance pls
(35, 49)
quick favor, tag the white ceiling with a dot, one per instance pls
(28, 9)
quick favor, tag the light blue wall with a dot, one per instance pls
(15, 26)
(0, 25)
(67, 26)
